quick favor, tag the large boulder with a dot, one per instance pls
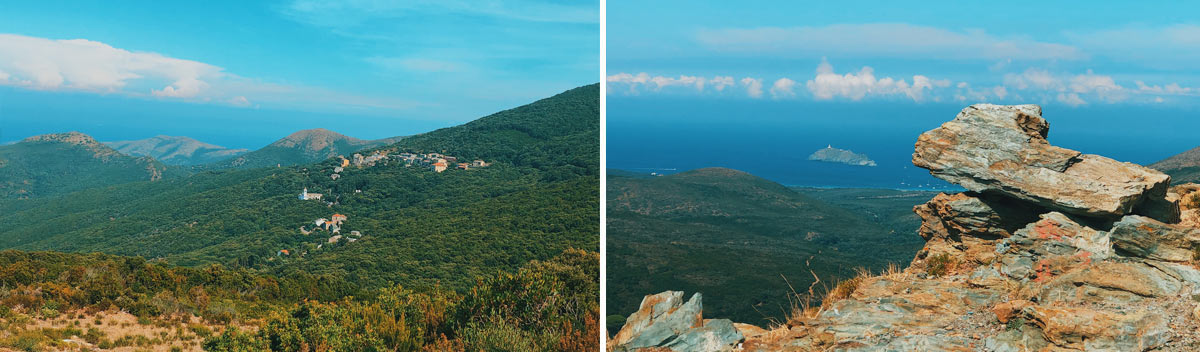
(1144, 237)
(1092, 330)
(1003, 149)
(1049, 250)
(967, 225)
(665, 320)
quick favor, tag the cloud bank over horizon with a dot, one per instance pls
(1031, 85)
(1074, 62)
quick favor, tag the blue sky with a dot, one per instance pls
(1052, 53)
(397, 67)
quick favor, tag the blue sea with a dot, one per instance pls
(773, 139)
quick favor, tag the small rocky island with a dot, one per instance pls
(841, 156)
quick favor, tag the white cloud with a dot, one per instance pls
(635, 84)
(239, 101)
(1033, 85)
(1071, 99)
(1068, 88)
(1171, 89)
(720, 82)
(686, 81)
(1088, 87)
(184, 88)
(855, 86)
(1000, 92)
(91, 66)
(1100, 85)
(754, 87)
(1033, 78)
(895, 40)
(783, 88)
(1167, 46)
(80, 64)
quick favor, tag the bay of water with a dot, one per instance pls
(772, 139)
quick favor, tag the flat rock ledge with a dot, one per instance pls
(1003, 149)
(664, 322)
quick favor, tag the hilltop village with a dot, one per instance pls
(435, 162)
(332, 226)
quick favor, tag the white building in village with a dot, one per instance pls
(304, 195)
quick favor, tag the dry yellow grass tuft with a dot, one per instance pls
(108, 331)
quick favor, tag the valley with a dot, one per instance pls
(457, 238)
(676, 232)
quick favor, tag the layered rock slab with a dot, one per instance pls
(664, 320)
(1003, 149)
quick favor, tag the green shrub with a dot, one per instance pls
(939, 265)
(49, 313)
(233, 340)
(614, 323)
(93, 336)
(497, 336)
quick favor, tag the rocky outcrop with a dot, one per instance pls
(98, 150)
(1050, 250)
(664, 320)
(1003, 149)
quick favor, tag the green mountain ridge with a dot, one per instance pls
(176, 150)
(301, 147)
(1183, 167)
(55, 164)
(735, 237)
(538, 198)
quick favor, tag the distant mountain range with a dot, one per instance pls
(441, 250)
(678, 232)
(172, 150)
(539, 197)
(302, 147)
(1183, 167)
(60, 163)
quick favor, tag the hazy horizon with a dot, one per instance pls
(773, 139)
(242, 75)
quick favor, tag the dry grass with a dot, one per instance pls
(1191, 201)
(803, 307)
(109, 331)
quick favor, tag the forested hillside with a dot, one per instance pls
(401, 223)
(301, 147)
(676, 233)
(61, 163)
